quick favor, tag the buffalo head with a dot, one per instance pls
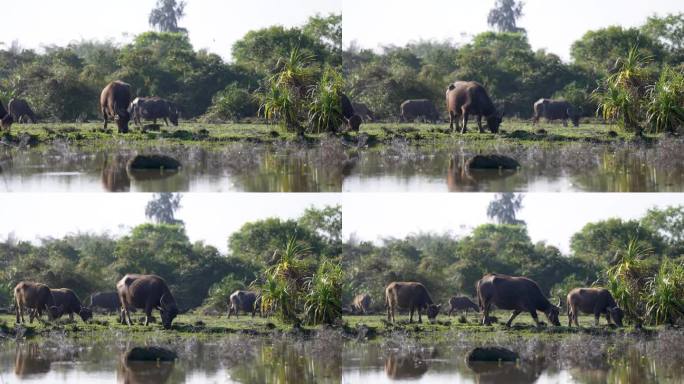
(354, 123)
(552, 314)
(6, 122)
(85, 313)
(616, 313)
(168, 311)
(122, 118)
(494, 121)
(433, 311)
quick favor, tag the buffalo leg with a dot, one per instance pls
(166, 122)
(411, 315)
(565, 122)
(479, 123)
(514, 315)
(464, 128)
(597, 317)
(420, 319)
(485, 314)
(450, 310)
(608, 318)
(389, 318)
(535, 318)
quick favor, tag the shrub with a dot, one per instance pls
(323, 304)
(232, 103)
(665, 102)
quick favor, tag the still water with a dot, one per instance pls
(245, 359)
(334, 166)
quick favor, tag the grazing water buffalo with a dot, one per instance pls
(109, 301)
(245, 301)
(412, 109)
(153, 108)
(114, 101)
(361, 303)
(70, 304)
(34, 298)
(363, 111)
(5, 118)
(518, 294)
(462, 303)
(555, 109)
(352, 120)
(593, 300)
(146, 292)
(412, 296)
(20, 111)
(465, 98)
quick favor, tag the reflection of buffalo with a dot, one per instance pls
(134, 372)
(114, 175)
(460, 178)
(29, 361)
(494, 372)
(405, 366)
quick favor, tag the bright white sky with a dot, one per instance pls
(212, 24)
(210, 217)
(550, 217)
(553, 25)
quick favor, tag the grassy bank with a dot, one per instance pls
(513, 131)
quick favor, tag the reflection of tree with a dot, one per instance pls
(114, 175)
(29, 361)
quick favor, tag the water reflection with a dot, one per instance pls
(29, 361)
(402, 366)
(143, 372)
(491, 373)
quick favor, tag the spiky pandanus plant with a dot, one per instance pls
(665, 294)
(323, 303)
(325, 103)
(665, 102)
(621, 97)
(283, 98)
(627, 279)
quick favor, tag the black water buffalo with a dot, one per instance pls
(465, 98)
(108, 301)
(69, 302)
(246, 301)
(518, 294)
(114, 101)
(412, 296)
(34, 298)
(361, 303)
(555, 109)
(146, 292)
(461, 303)
(352, 120)
(412, 109)
(21, 111)
(153, 108)
(363, 111)
(6, 119)
(593, 300)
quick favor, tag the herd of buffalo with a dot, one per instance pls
(463, 99)
(150, 292)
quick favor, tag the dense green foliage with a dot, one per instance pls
(64, 83)
(196, 272)
(514, 75)
(450, 265)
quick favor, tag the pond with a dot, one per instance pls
(239, 167)
(575, 167)
(328, 358)
(334, 166)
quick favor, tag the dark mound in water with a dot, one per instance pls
(491, 354)
(153, 162)
(492, 162)
(150, 354)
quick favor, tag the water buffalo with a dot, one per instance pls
(361, 303)
(518, 294)
(593, 300)
(5, 118)
(363, 111)
(555, 109)
(114, 101)
(108, 301)
(461, 303)
(146, 292)
(412, 296)
(66, 299)
(465, 98)
(21, 111)
(34, 298)
(352, 120)
(153, 108)
(412, 109)
(246, 301)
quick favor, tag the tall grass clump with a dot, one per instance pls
(627, 281)
(665, 102)
(325, 106)
(665, 299)
(323, 303)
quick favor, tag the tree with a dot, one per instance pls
(162, 208)
(505, 14)
(504, 208)
(166, 14)
(669, 31)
